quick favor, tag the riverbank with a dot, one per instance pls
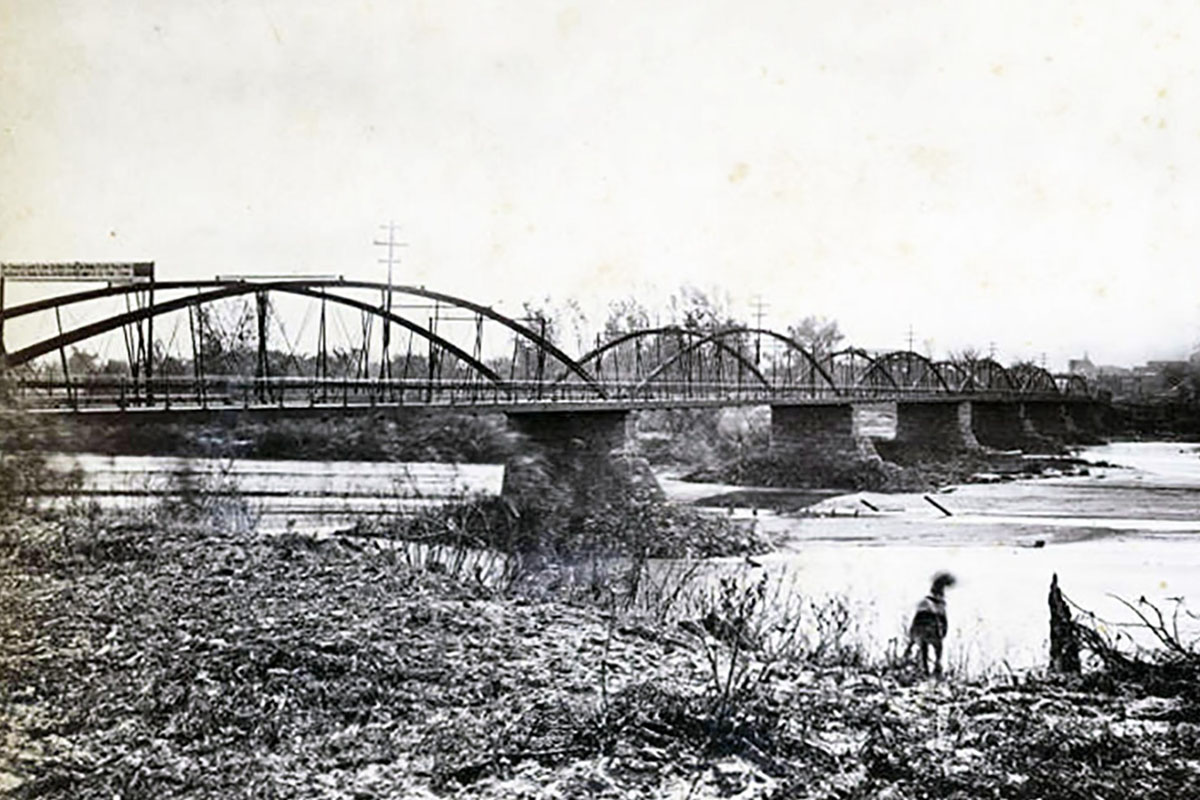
(152, 658)
(891, 470)
(413, 435)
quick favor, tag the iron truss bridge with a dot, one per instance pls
(324, 343)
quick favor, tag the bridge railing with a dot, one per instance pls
(244, 391)
(239, 391)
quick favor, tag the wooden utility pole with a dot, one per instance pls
(385, 361)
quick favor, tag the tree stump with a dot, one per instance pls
(1064, 638)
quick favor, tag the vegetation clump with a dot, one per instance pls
(539, 524)
(25, 470)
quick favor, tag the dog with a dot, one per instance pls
(929, 624)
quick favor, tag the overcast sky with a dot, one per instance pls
(1025, 174)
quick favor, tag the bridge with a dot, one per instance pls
(202, 348)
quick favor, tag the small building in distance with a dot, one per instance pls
(1154, 380)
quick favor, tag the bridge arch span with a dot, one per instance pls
(1032, 379)
(909, 371)
(27, 354)
(850, 367)
(987, 375)
(1073, 385)
(596, 355)
(213, 291)
(954, 373)
(815, 369)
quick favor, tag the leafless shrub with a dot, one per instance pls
(1152, 648)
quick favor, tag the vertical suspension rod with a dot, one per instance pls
(322, 353)
(541, 355)
(430, 365)
(197, 356)
(407, 359)
(385, 337)
(62, 354)
(363, 368)
(261, 368)
(476, 378)
(150, 346)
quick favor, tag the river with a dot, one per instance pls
(303, 495)
(1130, 529)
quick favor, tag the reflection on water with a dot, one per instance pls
(305, 494)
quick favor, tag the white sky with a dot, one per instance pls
(1026, 173)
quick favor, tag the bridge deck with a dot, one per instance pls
(193, 412)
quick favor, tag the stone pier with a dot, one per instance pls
(1037, 426)
(936, 426)
(574, 461)
(577, 432)
(1049, 418)
(1087, 419)
(1000, 424)
(824, 432)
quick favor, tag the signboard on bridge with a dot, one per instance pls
(79, 272)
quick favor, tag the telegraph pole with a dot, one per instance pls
(385, 363)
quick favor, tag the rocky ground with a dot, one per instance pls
(167, 658)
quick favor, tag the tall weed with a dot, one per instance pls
(212, 498)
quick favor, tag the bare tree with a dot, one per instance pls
(966, 356)
(818, 335)
(697, 309)
(624, 315)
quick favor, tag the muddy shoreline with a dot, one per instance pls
(189, 662)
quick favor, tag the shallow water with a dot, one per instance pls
(304, 494)
(1128, 530)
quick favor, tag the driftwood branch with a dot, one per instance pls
(1174, 663)
(1064, 633)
